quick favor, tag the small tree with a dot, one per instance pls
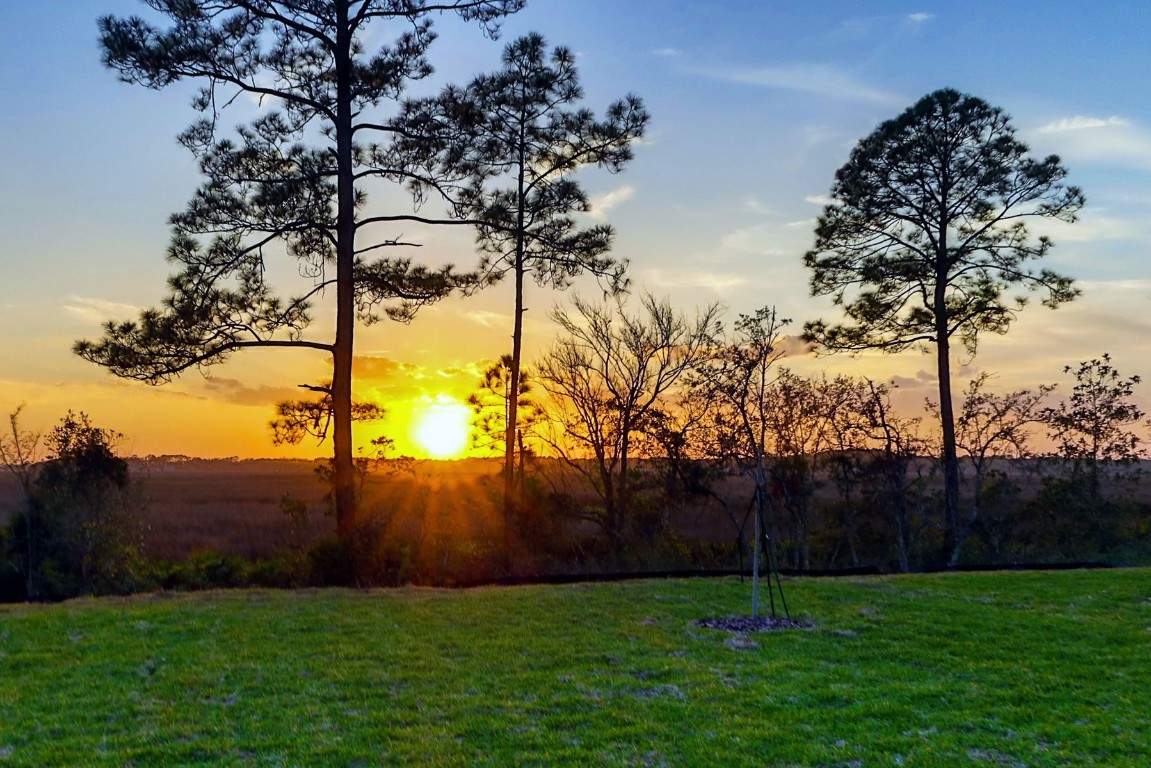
(22, 450)
(926, 240)
(1092, 428)
(988, 427)
(491, 405)
(606, 373)
(738, 374)
(517, 125)
(80, 530)
(895, 483)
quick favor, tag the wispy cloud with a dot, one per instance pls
(1093, 226)
(819, 79)
(821, 200)
(487, 319)
(100, 310)
(236, 392)
(919, 18)
(1080, 122)
(601, 204)
(716, 281)
(666, 52)
(1102, 139)
(754, 205)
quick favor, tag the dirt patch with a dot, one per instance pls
(753, 623)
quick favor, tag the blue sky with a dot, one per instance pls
(754, 106)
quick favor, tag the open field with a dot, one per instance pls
(990, 669)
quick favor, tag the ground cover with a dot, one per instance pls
(979, 669)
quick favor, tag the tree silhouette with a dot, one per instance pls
(1092, 428)
(606, 372)
(990, 426)
(491, 406)
(292, 180)
(926, 239)
(517, 125)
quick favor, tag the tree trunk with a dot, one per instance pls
(343, 469)
(513, 394)
(947, 424)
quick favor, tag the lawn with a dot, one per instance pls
(993, 669)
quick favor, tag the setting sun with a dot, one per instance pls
(442, 429)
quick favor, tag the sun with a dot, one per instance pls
(442, 429)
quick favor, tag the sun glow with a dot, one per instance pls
(442, 429)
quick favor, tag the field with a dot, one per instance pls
(989, 669)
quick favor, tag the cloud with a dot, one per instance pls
(919, 18)
(764, 240)
(375, 367)
(922, 379)
(1112, 140)
(666, 52)
(236, 392)
(601, 204)
(716, 281)
(1093, 226)
(818, 79)
(752, 205)
(100, 310)
(1079, 123)
(822, 200)
(488, 319)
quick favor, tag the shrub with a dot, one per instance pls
(79, 531)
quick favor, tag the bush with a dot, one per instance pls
(364, 558)
(79, 531)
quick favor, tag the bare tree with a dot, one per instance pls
(896, 481)
(988, 427)
(738, 375)
(607, 373)
(1093, 427)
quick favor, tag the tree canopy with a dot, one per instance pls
(293, 180)
(926, 239)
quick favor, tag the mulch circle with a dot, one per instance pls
(752, 623)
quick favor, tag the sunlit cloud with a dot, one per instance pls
(922, 380)
(716, 281)
(488, 319)
(1112, 140)
(100, 310)
(375, 367)
(601, 204)
(236, 392)
(818, 79)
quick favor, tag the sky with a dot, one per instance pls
(754, 106)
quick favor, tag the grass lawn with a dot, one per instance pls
(1000, 669)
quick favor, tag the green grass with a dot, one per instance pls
(1006, 669)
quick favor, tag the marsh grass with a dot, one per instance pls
(991, 669)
